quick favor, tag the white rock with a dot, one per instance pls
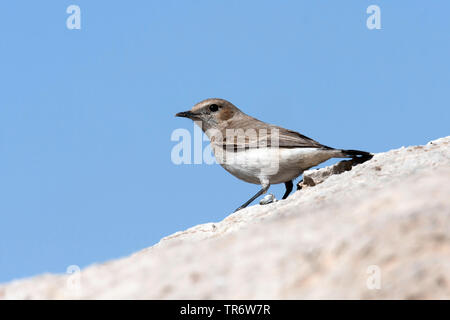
(269, 198)
(390, 214)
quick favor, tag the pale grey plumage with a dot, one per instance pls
(256, 147)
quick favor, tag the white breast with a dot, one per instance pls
(276, 165)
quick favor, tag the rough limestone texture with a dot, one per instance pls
(378, 231)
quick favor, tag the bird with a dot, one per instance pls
(258, 152)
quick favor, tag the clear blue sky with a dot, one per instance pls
(86, 115)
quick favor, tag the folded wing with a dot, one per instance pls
(257, 134)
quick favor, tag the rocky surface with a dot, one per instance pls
(378, 231)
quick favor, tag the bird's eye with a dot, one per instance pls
(214, 107)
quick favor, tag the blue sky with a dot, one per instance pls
(86, 115)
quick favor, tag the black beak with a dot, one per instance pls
(186, 114)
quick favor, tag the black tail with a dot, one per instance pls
(358, 156)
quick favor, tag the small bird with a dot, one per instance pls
(258, 152)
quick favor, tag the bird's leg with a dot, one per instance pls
(260, 192)
(299, 185)
(289, 185)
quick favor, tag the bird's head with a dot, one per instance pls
(212, 113)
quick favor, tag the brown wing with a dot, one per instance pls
(260, 134)
(293, 139)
